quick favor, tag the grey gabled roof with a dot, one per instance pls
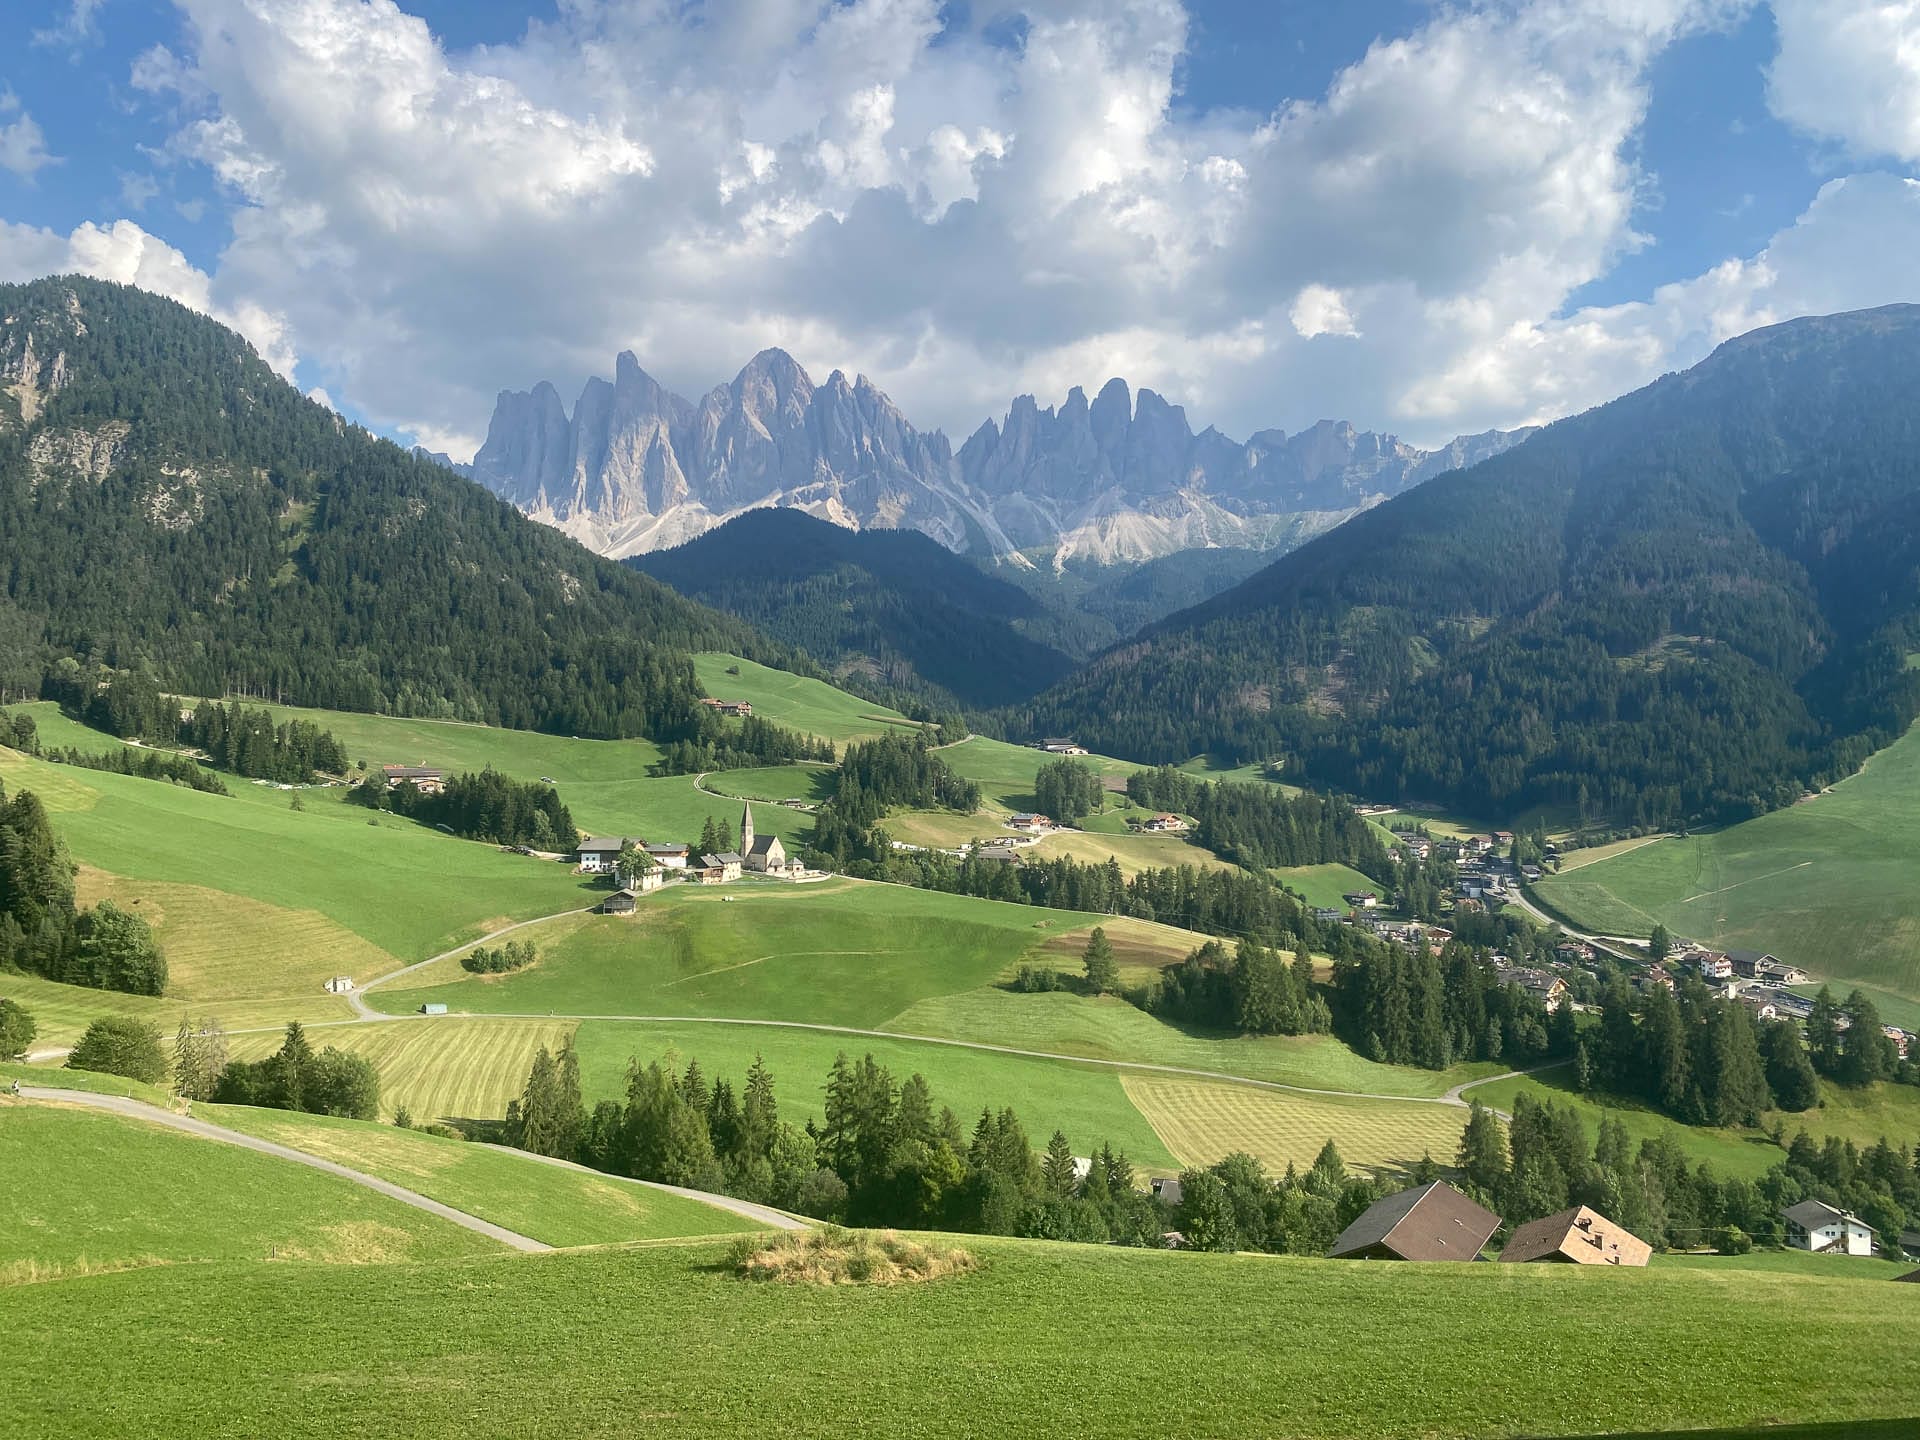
(1812, 1214)
(724, 858)
(1428, 1222)
(763, 843)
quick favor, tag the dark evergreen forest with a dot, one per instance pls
(1693, 602)
(171, 507)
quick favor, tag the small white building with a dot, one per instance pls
(340, 985)
(672, 857)
(1061, 745)
(1815, 1225)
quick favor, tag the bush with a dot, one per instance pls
(121, 1045)
(832, 1256)
(16, 1030)
(1733, 1241)
(1037, 980)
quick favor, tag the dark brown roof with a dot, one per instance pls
(1429, 1222)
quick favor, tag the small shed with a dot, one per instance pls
(339, 984)
(621, 902)
(433, 1008)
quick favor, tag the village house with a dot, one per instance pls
(1712, 966)
(1429, 1222)
(1575, 1237)
(722, 869)
(600, 854)
(1060, 745)
(1166, 1190)
(1361, 899)
(670, 857)
(427, 781)
(1503, 838)
(1164, 822)
(738, 708)
(1328, 916)
(1759, 1005)
(1545, 986)
(621, 902)
(1030, 823)
(1417, 846)
(1815, 1225)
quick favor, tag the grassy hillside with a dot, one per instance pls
(1205, 1120)
(811, 706)
(559, 1206)
(1828, 884)
(110, 1191)
(1068, 1340)
(840, 952)
(403, 888)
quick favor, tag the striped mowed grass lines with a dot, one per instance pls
(63, 1012)
(1202, 1121)
(439, 1068)
(222, 946)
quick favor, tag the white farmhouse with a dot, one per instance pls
(1815, 1225)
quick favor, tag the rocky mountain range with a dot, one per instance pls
(635, 468)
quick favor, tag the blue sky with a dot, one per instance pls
(1420, 217)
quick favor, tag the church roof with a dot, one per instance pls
(763, 843)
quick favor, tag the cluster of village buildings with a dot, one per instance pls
(757, 855)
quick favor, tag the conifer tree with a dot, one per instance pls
(1102, 971)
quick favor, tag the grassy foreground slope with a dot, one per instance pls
(1828, 884)
(87, 1190)
(1045, 1339)
(548, 1202)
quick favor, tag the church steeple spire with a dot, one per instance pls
(746, 828)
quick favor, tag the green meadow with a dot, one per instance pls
(1828, 884)
(404, 888)
(1052, 1339)
(109, 1190)
(547, 1202)
(835, 952)
(1325, 885)
(810, 706)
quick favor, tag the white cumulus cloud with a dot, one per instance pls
(1848, 71)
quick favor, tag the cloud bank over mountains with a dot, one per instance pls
(964, 209)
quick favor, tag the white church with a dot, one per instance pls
(764, 854)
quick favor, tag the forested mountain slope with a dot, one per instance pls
(167, 503)
(1687, 603)
(891, 605)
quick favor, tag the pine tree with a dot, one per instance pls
(1102, 971)
(1823, 1033)
(1789, 1072)
(1483, 1150)
(1057, 1170)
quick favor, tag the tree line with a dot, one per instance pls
(1415, 1007)
(500, 959)
(488, 806)
(43, 932)
(756, 742)
(19, 732)
(1541, 1164)
(1263, 827)
(881, 1153)
(875, 776)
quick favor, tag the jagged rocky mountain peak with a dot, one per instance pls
(1122, 476)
